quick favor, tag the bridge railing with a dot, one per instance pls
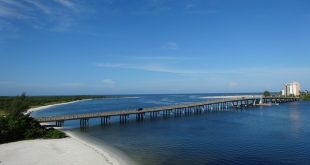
(150, 109)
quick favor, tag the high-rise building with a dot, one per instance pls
(291, 89)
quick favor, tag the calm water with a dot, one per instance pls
(265, 135)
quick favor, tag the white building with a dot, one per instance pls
(291, 89)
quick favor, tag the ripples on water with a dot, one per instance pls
(264, 135)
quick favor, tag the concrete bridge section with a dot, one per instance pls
(168, 111)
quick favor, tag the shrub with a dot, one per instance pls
(53, 133)
(266, 93)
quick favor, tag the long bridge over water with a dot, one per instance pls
(169, 111)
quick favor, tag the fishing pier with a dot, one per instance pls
(169, 111)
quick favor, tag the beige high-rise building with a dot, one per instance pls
(291, 89)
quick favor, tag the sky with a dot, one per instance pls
(68, 47)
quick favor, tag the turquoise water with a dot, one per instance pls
(264, 135)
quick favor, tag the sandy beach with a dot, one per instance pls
(52, 105)
(71, 150)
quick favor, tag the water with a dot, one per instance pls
(264, 135)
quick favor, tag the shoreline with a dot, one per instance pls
(61, 151)
(43, 107)
(108, 152)
(70, 150)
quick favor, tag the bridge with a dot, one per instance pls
(169, 111)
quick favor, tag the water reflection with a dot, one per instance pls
(294, 117)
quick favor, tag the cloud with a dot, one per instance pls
(109, 83)
(202, 12)
(7, 31)
(232, 84)
(57, 15)
(3, 82)
(8, 12)
(147, 67)
(172, 58)
(66, 3)
(171, 46)
(73, 85)
(14, 3)
(108, 1)
(165, 69)
(295, 72)
(45, 9)
(109, 65)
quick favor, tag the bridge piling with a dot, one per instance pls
(84, 123)
(168, 111)
(59, 123)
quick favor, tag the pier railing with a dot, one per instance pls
(166, 111)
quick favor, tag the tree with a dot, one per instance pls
(266, 93)
(17, 126)
(19, 105)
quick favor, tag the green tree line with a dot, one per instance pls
(6, 102)
(305, 96)
(14, 125)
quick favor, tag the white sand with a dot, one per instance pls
(52, 105)
(67, 151)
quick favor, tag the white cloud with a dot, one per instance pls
(58, 15)
(233, 84)
(8, 12)
(7, 31)
(170, 58)
(108, 82)
(73, 84)
(7, 82)
(146, 67)
(67, 3)
(40, 6)
(171, 46)
(109, 65)
(14, 3)
(215, 72)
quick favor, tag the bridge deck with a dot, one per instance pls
(153, 109)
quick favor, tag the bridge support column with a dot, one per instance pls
(178, 112)
(104, 121)
(60, 123)
(84, 123)
(152, 115)
(123, 119)
(139, 116)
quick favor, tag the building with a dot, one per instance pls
(291, 89)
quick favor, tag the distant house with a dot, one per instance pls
(291, 89)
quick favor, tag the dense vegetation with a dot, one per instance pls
(6, 102)
(305, 96)
(266, 93)
(14, 125)
(20, 127)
